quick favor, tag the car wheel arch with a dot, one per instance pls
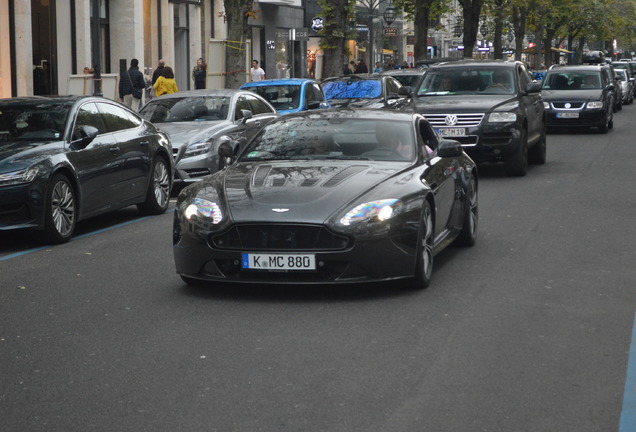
(72, 178)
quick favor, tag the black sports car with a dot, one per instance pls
(330, 196)
(64, 159)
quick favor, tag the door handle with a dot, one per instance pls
(144, 143)
(114, 150)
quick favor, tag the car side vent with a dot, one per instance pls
(260, 175)
(278, 181)
(344, 174)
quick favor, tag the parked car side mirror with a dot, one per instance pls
(247, 114)
(87, 135)
(449, 148)
(405, 91)
(533, 87)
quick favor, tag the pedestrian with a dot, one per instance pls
(345, 69)
(405, 65)
(200, 74)
(352, 66)
(165, 84)
(159, 71)
(377, 68)
(131, 86)
(256, 72)
(362, 67)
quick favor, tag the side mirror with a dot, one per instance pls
(247, 114)
(405, 91)
(87, 135)
(449, 148)
(533, 87)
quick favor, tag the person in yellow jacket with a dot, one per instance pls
(165, 83)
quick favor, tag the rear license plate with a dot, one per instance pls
(451, 131)
(567, 115)
(286, 262)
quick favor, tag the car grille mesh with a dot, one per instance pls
(277, 237)
(572, 105)
(463, 120)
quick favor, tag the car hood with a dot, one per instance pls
(572, 95)
(308, 191)
(185, 133)
(17, 155)
(461, 103)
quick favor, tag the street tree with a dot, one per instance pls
(337, 15)
(236, 15)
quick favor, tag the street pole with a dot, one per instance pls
(96, 49)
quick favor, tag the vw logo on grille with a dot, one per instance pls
(451, 120)
(568, 105)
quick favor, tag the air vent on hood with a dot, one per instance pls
(344, 174)
(260, 175)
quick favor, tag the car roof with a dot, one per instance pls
(476, 63)
(205, 92)
(569, 68)
(369, 76)
(409, 71)
(283, 81)
(358, 113)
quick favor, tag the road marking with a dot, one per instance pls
(28, 251)
(628, 415)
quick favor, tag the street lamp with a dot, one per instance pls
(389, 15)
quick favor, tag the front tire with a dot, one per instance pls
(468, 235)
(158, 195)
(61, 210)
(424, 263)
(517, 165)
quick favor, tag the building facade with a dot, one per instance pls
(45, 45)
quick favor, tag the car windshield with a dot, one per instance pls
(621, 74)
(333, 138)
(467, 81)
(574, 80)
(352, 89)
(282, 97)
(33, 122)
(186, 109)
(407, 80)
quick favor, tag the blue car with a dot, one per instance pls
(290, 95)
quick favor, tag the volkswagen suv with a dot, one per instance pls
(491, 107)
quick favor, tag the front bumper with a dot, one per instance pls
(22, 206)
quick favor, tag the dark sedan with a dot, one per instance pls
(364, 91)
(198, 121)
(333, 196)
(64, 159)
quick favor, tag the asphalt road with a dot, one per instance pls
(528, 331)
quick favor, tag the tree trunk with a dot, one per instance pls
(471, 11)
(236, 14)
(334, 36)
(421, 23)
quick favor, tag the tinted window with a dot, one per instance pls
(35, 121)
(116, 118)
(281, 97)
(572, 80)
(174, 109)
(89, 115)
(258, 107)
(241, 104)
(310, 95)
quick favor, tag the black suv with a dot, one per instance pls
(491, 107)
(579, 96)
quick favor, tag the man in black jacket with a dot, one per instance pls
(131, 86)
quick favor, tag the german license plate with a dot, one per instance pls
(567, 115)
(451, 132)
(287, 262)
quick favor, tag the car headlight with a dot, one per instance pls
(595, 104)
(546, 105)
(19, 177)
(200, 208)
(502, 117)
(197, 148)
(374, 211)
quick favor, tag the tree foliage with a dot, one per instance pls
(337, 15)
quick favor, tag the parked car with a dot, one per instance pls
(627, 85)
(579, 96)
(64, 159)
(618, 89)
(364, 91)
(492, 107)
(327, 197)
(198, 121)
(630, 68)
(290, 95)
(407, 77)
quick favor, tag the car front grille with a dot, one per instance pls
(454, 120)
(278, 237)
(572, 105)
